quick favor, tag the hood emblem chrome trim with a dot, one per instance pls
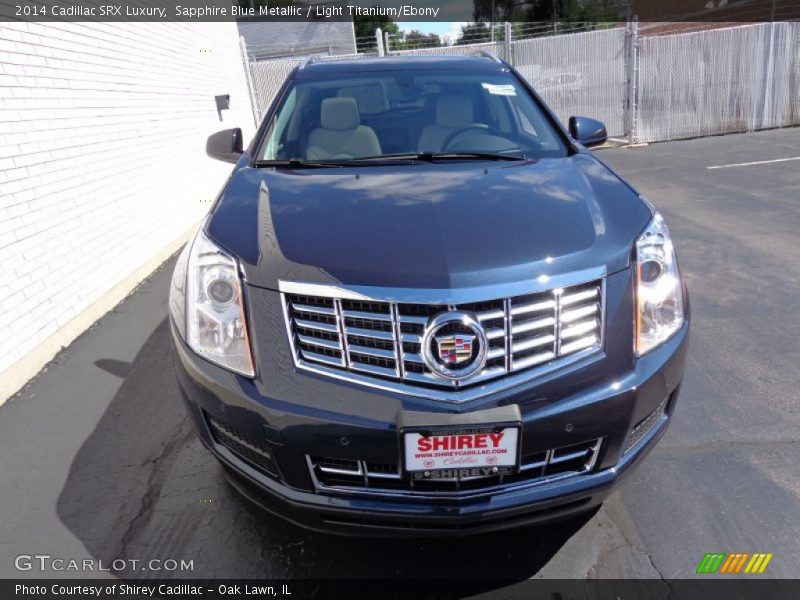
(460, 351)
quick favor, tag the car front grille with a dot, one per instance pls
(376, 340)
(348, 475)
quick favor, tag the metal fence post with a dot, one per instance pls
(631, 102)
(386, 49)
(509, 56)
(379, 40)
(248, 78)
(765, 115)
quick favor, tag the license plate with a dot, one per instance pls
(462, 453)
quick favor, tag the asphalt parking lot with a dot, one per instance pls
(98, 460)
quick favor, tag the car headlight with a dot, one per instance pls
(659, 293)
(216, 327)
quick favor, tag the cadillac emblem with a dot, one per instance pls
(455, 349)
(454, 345)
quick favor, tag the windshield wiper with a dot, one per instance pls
(296, 163)
(434, 156)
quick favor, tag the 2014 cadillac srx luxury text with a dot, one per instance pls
(421, 306)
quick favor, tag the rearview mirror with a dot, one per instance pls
(226, 145)
(586, 131)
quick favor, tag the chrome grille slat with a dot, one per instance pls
(323, 358)
(369, 333)
(337, 305)
(413, 320)
(488, 373)
(366, 338)
(535, 342)
(534, 359)
(578, 328)
(496, 353)
(368, 368)
(411, 338)
(533, 465)
(533, 325)
(579, 344)
(371, 316)
(426, 378)
(317, 325)
(379, 352)
(335, 475)
(554, 460)
(494, 333)
(323, 343)
(533, 307)
(379, 475)
(568, 316)
(488, 315)
(400, 361)
(356, 468)
(568, 299)
(317, 310)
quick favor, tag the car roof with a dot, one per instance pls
(400, 63)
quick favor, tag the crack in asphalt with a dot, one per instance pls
(643, 552)
(153, 489)
(657, 570)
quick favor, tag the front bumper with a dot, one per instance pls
(293, 415)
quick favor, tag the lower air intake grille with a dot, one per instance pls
(643, 427)
(244, 448)
(384, 478)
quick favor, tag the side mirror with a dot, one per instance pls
(586, 131)
(226, 145)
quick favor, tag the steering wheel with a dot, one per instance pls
(481, 127)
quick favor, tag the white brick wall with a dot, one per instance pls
(102, 157)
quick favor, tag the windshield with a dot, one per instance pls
(379, 114)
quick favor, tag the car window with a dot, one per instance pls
(278, 126)
(526, 125)
(499, 110)
(375, 114)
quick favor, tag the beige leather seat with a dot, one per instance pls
(341, 134)
(453, 113)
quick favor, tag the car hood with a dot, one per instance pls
(423, 225)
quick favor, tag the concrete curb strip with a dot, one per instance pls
(14, 378)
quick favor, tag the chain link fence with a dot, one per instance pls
(645, 88)
(578, 74)
(266, 78)
(718, 81)
(498, 49)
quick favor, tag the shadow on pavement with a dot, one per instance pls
(142, 487)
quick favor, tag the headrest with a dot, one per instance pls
(454, 111)
(339, 114)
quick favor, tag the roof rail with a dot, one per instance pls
(311, 58)
(490, 55)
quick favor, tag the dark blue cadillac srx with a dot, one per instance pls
(420, 305)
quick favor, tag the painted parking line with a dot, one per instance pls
(758, 162)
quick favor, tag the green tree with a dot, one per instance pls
(595, 13)
(511, 10)
(415, 39)
(473, 33)
(365, 26)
